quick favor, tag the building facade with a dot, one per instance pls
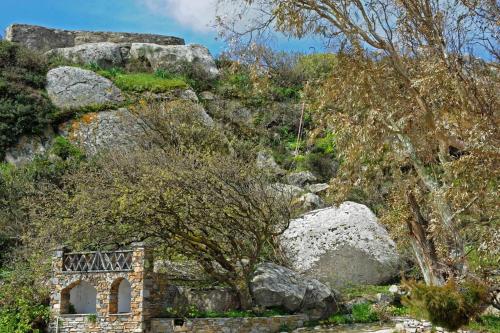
(104, 291)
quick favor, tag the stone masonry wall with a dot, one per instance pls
(229, 325)
(44, 39)
(145, 293)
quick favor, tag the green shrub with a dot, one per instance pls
(24, 107)
(450, 306)
(339, 319)
(24, 317)
(316, 66)
(360, 313)
(92, 318)
(364, 313)
(64, 149)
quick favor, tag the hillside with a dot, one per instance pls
(319, 163)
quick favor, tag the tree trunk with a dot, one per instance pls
(245, 297)
(423, 246)
(455, 244)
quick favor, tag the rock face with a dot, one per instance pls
(105, 54)
(311, 201)
(318, 188)
(276, 286)
(72, 88)
(44, 39)
(266, 161)
(209, 299)
(300, 178)
(106, 130)
(341, 246)
(173, 57)
(28, 147)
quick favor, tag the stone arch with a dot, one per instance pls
(79, 297)
(120, 296)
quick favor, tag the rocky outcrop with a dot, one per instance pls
(285, 191)
(318, 188)
(310, 201)
(173, 57)
(105, 54)
(300, 178)
(116, 130)
(106, 130)
(28, 147)
(341, 245)
(45, 39)
(266, 161)
(276, 286)
(73, 88)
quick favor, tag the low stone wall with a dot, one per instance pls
(117, 323)
(228, 325)
(44, 39)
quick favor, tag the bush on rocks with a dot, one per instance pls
(24, 107)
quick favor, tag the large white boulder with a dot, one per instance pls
(276, 286)
(73, 88)
(103, 54)
(341, 246)
(173, 57)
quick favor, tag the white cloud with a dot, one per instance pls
(198, 15)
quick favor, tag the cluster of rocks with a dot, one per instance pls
(153, 56)
(73, 88)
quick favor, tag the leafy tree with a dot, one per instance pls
(210, 207)
(412, 105)
(187, 192)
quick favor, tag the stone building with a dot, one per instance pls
(105, 291)
(119, 291)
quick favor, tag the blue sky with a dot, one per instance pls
(184, 18)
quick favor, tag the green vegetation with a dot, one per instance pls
(363, 291)
(92, 318)
(141, 82)
(489, 324)
(24, 107)
(64, 149)
(25, 317)
(193, 312)
(411, 134)
(360, 313)
(449, 306)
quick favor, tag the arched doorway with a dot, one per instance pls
(79, 298)
(120, 296)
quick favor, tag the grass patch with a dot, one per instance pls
(141, 82)
(361, 313)
(486, 324)
(364, 290)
